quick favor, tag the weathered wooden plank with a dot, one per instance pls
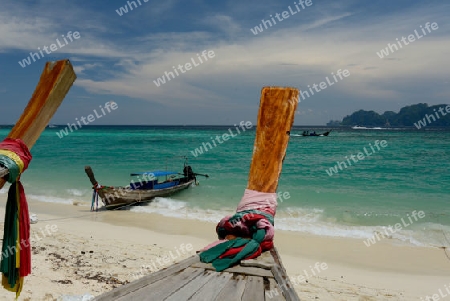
(264, 261)
(187, 290)
(211, 289)
(165, 287)
(273, 291)
(233, 289)
(254, 289)
(275, 118)
(149, 279)
(55, 82)
(282, 278)
(250, 271)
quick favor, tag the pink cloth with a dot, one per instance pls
(255, 200)
(213, 244)
(270, 231)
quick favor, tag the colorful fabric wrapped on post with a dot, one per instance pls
(246, 234)
(16, 250)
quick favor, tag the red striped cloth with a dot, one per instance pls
(18, 152)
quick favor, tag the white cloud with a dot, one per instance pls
(298, 54)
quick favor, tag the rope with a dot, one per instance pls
(95, 189)
(16, 250)
(246, 234)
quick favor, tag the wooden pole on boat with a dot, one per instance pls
(275, 119)
(55, 82)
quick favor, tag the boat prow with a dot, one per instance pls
(263, 278)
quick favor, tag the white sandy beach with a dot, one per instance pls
(93, 252)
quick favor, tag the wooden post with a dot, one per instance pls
(275, 119)
(90, 175)
(55, 82)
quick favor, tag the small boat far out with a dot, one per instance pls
(312, 134)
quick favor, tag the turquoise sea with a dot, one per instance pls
(410, 173)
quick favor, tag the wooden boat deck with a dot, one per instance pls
(258, 279)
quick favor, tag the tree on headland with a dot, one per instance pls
(361, 117)
(407, 116)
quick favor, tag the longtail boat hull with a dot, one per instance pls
(116, 197)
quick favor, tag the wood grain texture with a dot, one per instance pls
(188, 290)
(273, 292)
(154, 280)
(282, 279)
(237, 269)
(212, 289)
(55, 82)
(233, 289)
(275, 119)
(254, 289)
(264, 261)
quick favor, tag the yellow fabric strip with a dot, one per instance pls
(6, 284)
(13, 156)
(18, 246)
(19, 287)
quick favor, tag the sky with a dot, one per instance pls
(119, 57)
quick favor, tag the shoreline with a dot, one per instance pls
(353, 269)
(403, 230)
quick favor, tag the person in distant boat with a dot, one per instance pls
(188, 173)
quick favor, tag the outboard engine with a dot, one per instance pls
(188, 173)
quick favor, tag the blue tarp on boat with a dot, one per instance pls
(156, 173)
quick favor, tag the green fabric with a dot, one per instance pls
(8, 262)
(239, 215)
(250, 247)
(12, 167)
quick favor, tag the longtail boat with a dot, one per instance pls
(314, 134)
(148, 185)
(251, 268)
(54, 84)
